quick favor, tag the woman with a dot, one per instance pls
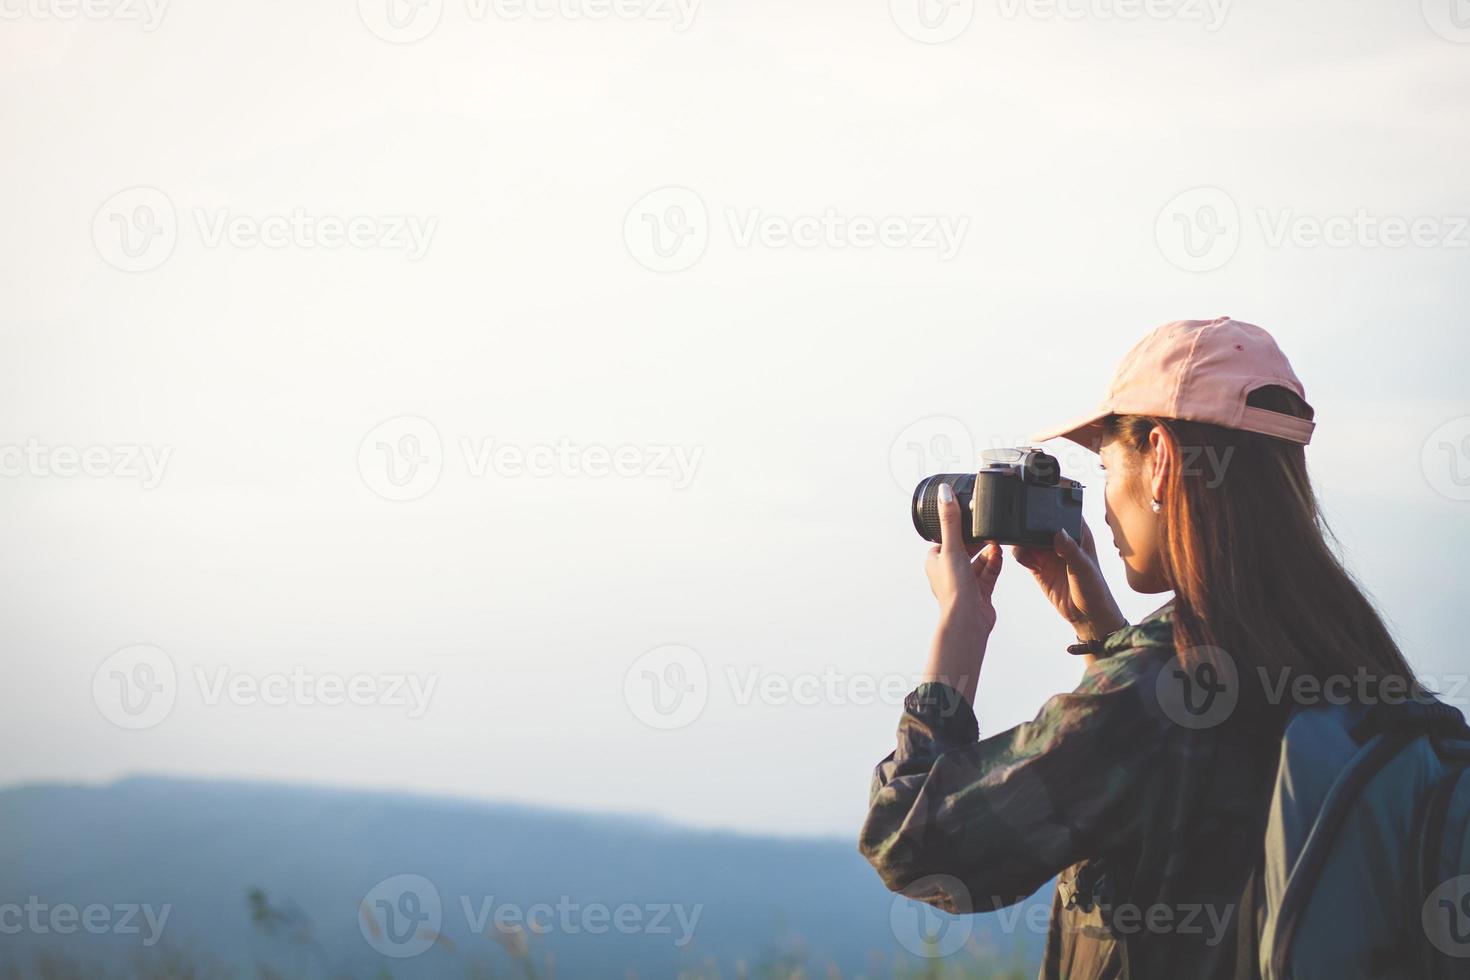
(1143, 792)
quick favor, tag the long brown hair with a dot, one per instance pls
(1251, 559)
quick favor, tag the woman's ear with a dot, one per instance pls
(1161, 452)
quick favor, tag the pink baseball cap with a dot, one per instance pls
(1198, 371)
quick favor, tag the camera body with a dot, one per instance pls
(1018, 496)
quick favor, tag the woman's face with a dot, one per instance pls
(1136, 528)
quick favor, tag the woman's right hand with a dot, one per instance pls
(1069, 575)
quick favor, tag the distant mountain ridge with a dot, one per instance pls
(364, 883)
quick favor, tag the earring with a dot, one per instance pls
(1158, 507)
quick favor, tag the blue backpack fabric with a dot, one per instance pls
(1366, 865)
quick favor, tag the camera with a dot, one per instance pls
(1018, 496)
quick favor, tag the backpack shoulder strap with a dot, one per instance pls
(1430, 848)
(1247, 937)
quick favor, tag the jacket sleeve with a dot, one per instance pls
(972, 825)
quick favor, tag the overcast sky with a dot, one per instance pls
(494, 368)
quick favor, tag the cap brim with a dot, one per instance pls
(1087, 431)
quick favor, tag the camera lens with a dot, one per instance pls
(926, 503)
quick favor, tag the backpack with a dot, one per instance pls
(1366, 866)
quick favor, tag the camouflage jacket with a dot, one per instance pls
(1148, 820)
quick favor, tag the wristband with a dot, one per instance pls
(1095, 647)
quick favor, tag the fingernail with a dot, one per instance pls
(946, 493)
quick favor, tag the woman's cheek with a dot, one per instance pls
(1114, 514)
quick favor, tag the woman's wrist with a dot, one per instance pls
(964, 617)
(1099, 628)
(958, 649)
